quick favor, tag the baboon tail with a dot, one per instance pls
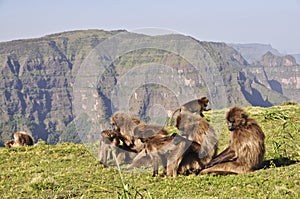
(171, 118)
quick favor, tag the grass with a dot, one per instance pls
(69, 170)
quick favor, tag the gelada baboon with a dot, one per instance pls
(125, 125)
(196, 129)
(9, 143)
(152, 138)
(132, 131)
(164, 149)
(194, 106)
(21, 138)
(108, 144)
(246, 147)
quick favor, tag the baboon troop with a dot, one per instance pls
(193, 149)
(21, 138)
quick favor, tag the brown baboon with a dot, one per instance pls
(108, 144)
(194, 106)
(148, 138)
(164, 149)
(125, 125)
(184, 154)
(246, 147)
(21, 138)
(185, 157)
(196, 129)
(132, 132)
(9, 143)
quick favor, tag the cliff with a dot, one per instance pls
(51, 86)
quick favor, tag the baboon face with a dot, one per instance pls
(119, 120)
(236, 117)
(205, 101)
(109, 134)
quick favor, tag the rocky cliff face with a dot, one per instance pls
(270, 59)
(39, 87)
(254, 52)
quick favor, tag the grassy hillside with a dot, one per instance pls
(71, 171)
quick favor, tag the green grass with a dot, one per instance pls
(71, 171)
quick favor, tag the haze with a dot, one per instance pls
(274, 22)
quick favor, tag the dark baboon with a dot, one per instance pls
(194, 106)
(21, 138)
(246, 147)
(197, 130)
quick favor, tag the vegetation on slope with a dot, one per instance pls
(69, 170)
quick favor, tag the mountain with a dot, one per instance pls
(297, 57)
(269, 59)
(67, 83)
(254, 52)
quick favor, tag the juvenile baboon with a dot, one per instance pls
(194, 106)
(196, 129)
(21, 138)
(108, 144)
(246, 147)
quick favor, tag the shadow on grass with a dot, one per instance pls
(277, 162)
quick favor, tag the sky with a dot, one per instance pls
(275, 22)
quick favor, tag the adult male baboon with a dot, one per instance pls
(246, 147)
(194, 106)
(21, 138)
(197, 130)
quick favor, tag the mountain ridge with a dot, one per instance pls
(38, 76)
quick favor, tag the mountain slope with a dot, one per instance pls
(149, 76)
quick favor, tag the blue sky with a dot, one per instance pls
(275, 22)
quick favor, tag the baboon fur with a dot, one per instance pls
(163, 148)
(246, 148)
(125, 125)
(21, 138)
(196, 129)
(194, 106)
(108, 144)
(133, 132)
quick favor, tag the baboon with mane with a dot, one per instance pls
(246, 148)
